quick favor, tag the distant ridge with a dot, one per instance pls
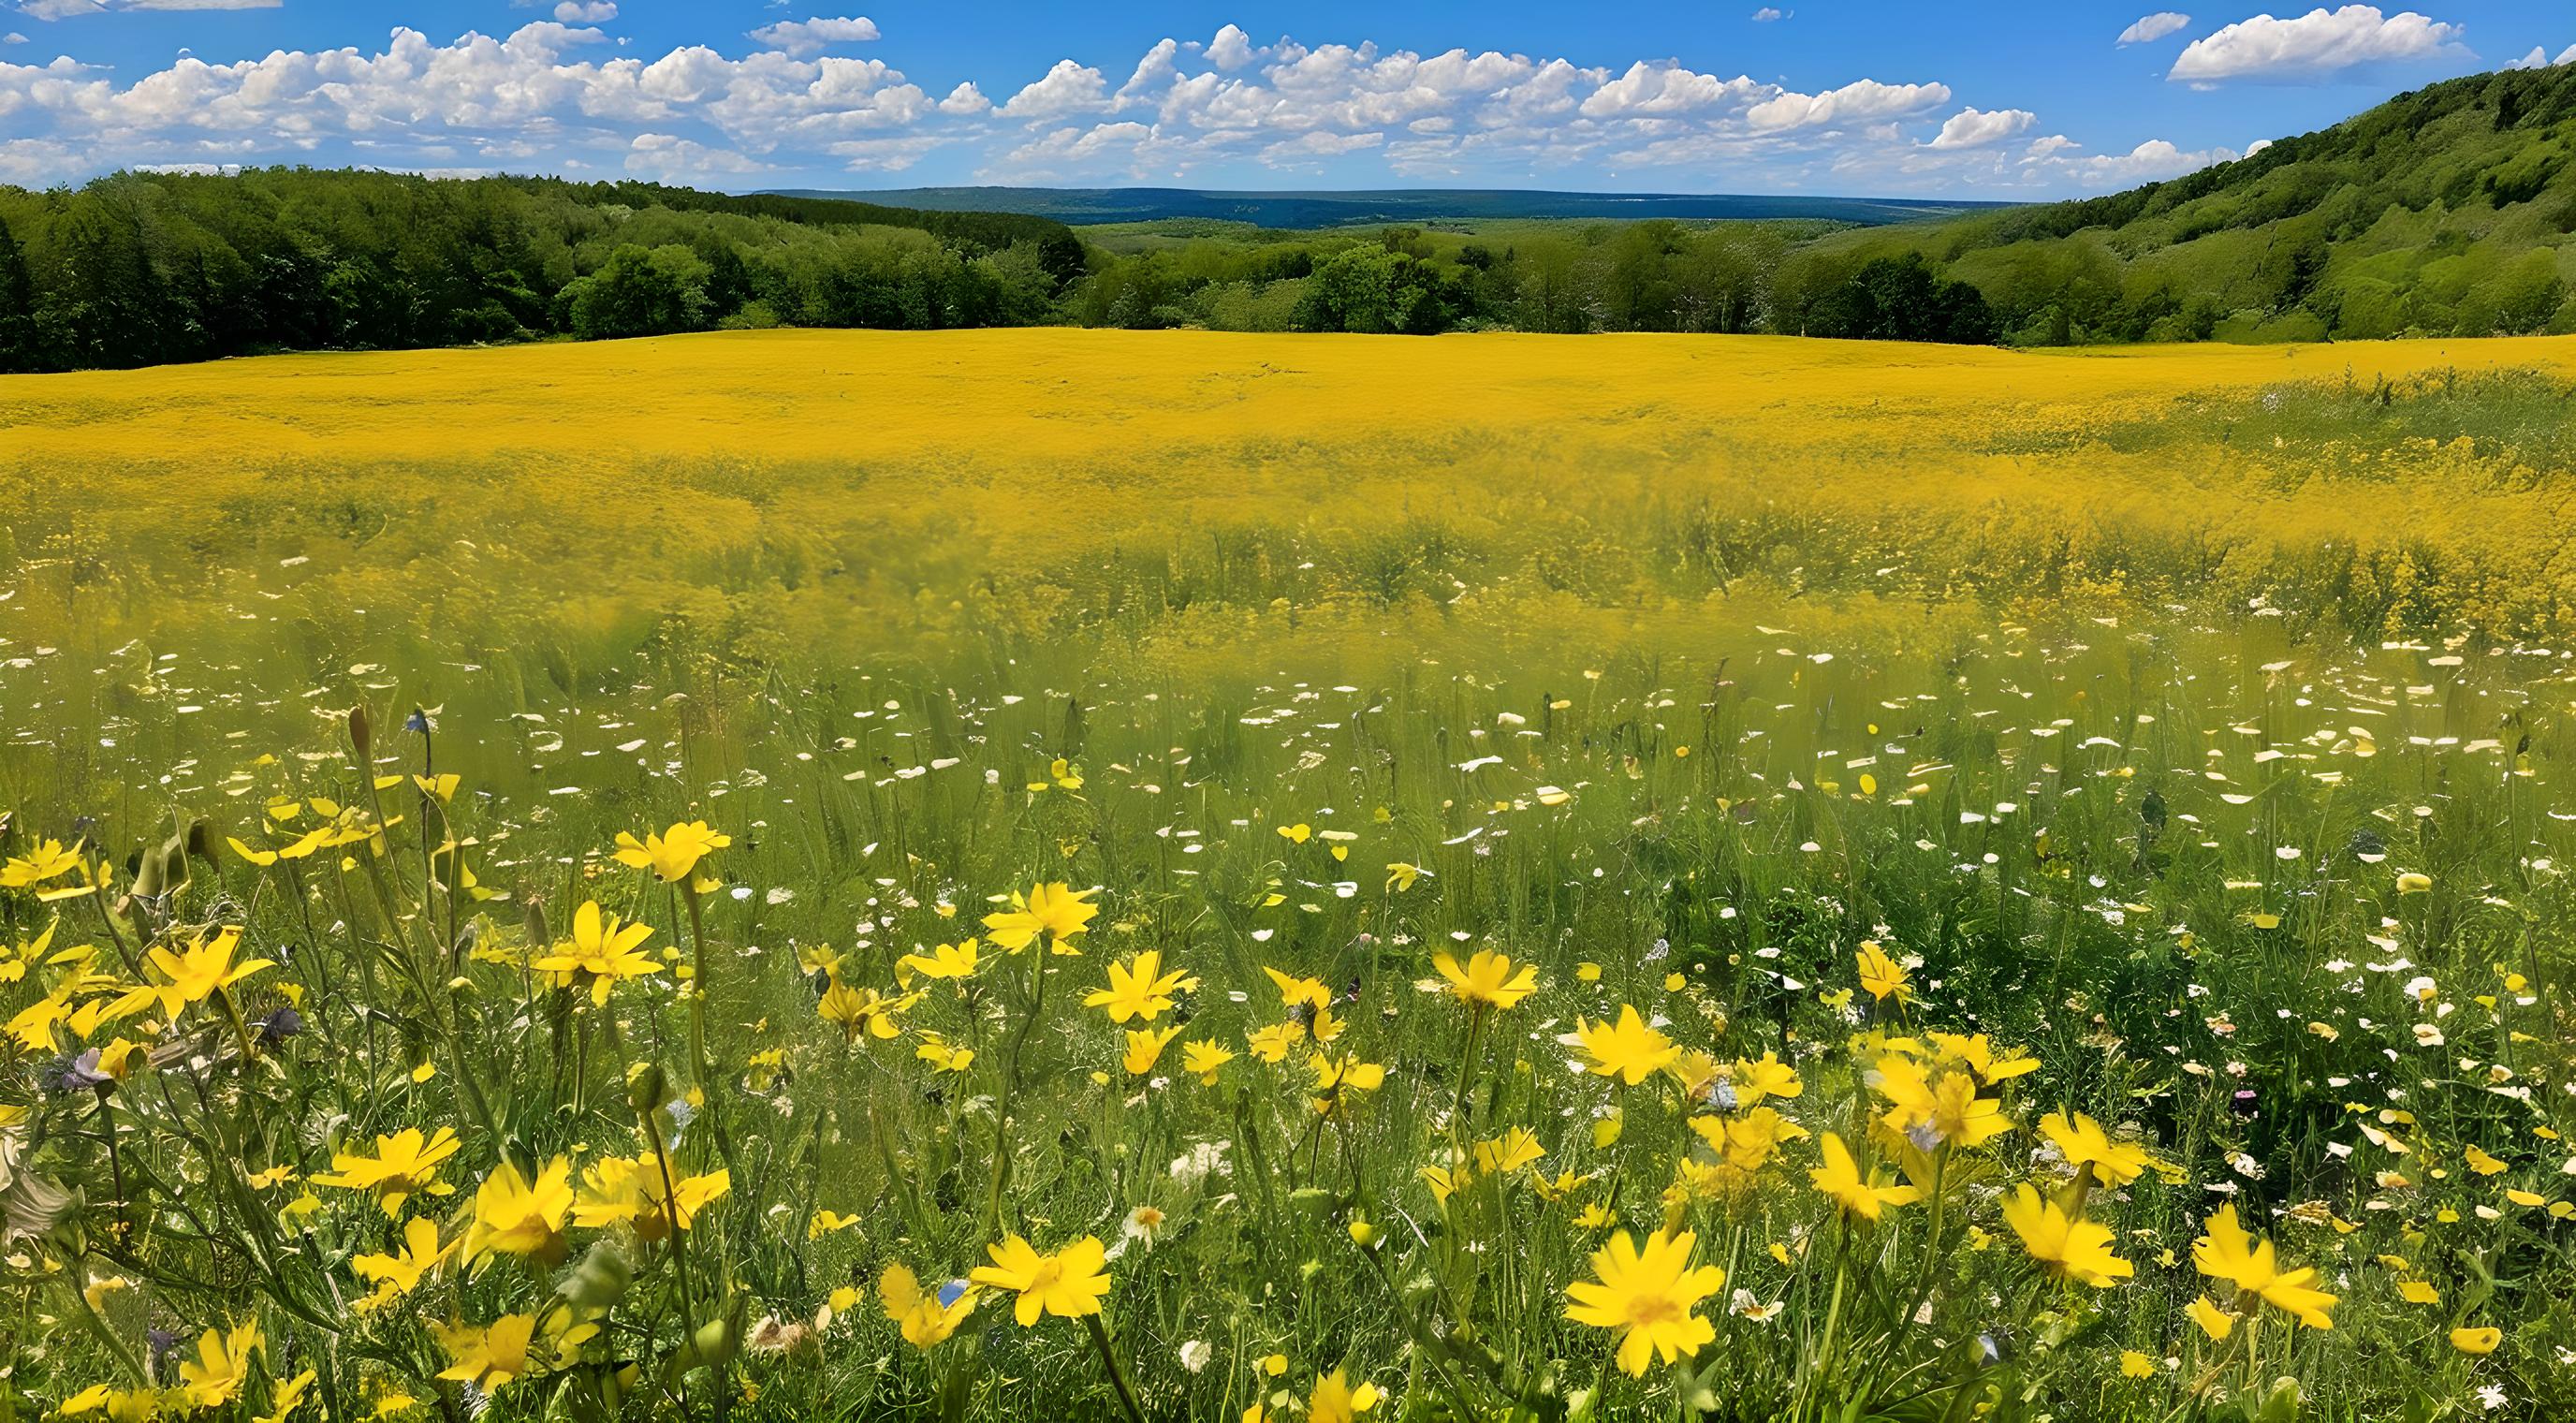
(1306, 210)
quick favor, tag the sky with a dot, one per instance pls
(1875, 98)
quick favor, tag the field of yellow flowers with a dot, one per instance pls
(1056, 874)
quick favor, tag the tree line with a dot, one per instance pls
(143, 268)
(136, 268)
(1656, 274)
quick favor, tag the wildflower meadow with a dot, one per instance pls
(1044, 874)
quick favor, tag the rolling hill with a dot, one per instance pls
(2450, 210)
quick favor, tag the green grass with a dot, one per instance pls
(2158, 850)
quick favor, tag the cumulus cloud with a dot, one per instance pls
(1123, 144)
(1856, 102)
(1975, 128)
(1068, 88)
(1231, 49)
(669, 157)
(807, 37)
(2315, 44)
(1314, 147)
(2151, 28)
(557, 94)
(885, 155)
(531, 83)
(1767, 14)
(2539, 58)
(2152, 161)
(1160, 66)
(1667, 88)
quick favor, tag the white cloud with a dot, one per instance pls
(1975, 128)
(13, 37)
(2151, 28)
(1231, 49)
(1159, 67)
(1068, 88)
(1061, 150)
(2257, 146)
(2317, 43)
(2149, 162)
(885, 155)
(1314, 147)
(1667, 88)
(1767, 14)
(810, 37)
(2539, 58)
(674, 159)
(522, 87)
(1856, 102)
(559, 95)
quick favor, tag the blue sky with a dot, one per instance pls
(1858, 97)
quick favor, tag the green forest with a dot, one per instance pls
(137, 269)
(2446, 211)
(2449, 211)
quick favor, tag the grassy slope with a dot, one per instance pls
(2430, 214)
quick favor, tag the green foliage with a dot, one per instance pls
(136, 268)
(1378, 291)
(640, 292)
(2443, 212)
(1568, 277)
(1901, 299)
(17, 304)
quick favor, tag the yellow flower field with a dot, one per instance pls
(1052, 873)
(833, 485)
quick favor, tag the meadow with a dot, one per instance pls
(1058, 873)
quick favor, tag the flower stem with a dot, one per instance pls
(1117, 1375)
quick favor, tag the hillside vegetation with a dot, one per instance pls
(2443, 212)
(143, 268)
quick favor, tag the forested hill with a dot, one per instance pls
(145, 267)
(2447, 211)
